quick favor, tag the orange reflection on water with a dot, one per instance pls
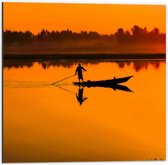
(45, 123)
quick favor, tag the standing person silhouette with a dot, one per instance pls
(79, 71)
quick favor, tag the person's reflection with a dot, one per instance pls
(79, 96)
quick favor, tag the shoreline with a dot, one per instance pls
(84, 56)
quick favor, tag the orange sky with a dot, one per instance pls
(77, 17)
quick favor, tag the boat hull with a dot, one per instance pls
(103, 83)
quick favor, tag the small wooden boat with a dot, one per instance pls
(103, 83)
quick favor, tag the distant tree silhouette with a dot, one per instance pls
(137, 34)
(17, 37)
(120, 36)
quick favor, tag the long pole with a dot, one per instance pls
(63, 79)
(67, 90)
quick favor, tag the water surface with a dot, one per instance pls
(44, 122)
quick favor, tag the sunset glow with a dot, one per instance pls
(84, 82)
(104, 19)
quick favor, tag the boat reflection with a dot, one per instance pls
(80, 95)
(114, 87)
(119, 87)
(81, 99)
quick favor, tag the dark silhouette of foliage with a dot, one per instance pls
(17, 37)
(137, 34)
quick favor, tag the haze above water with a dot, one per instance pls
(44, 122)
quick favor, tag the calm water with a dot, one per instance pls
(44, 122)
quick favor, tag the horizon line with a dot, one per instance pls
(82, 30)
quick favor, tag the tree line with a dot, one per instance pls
(135, 35)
